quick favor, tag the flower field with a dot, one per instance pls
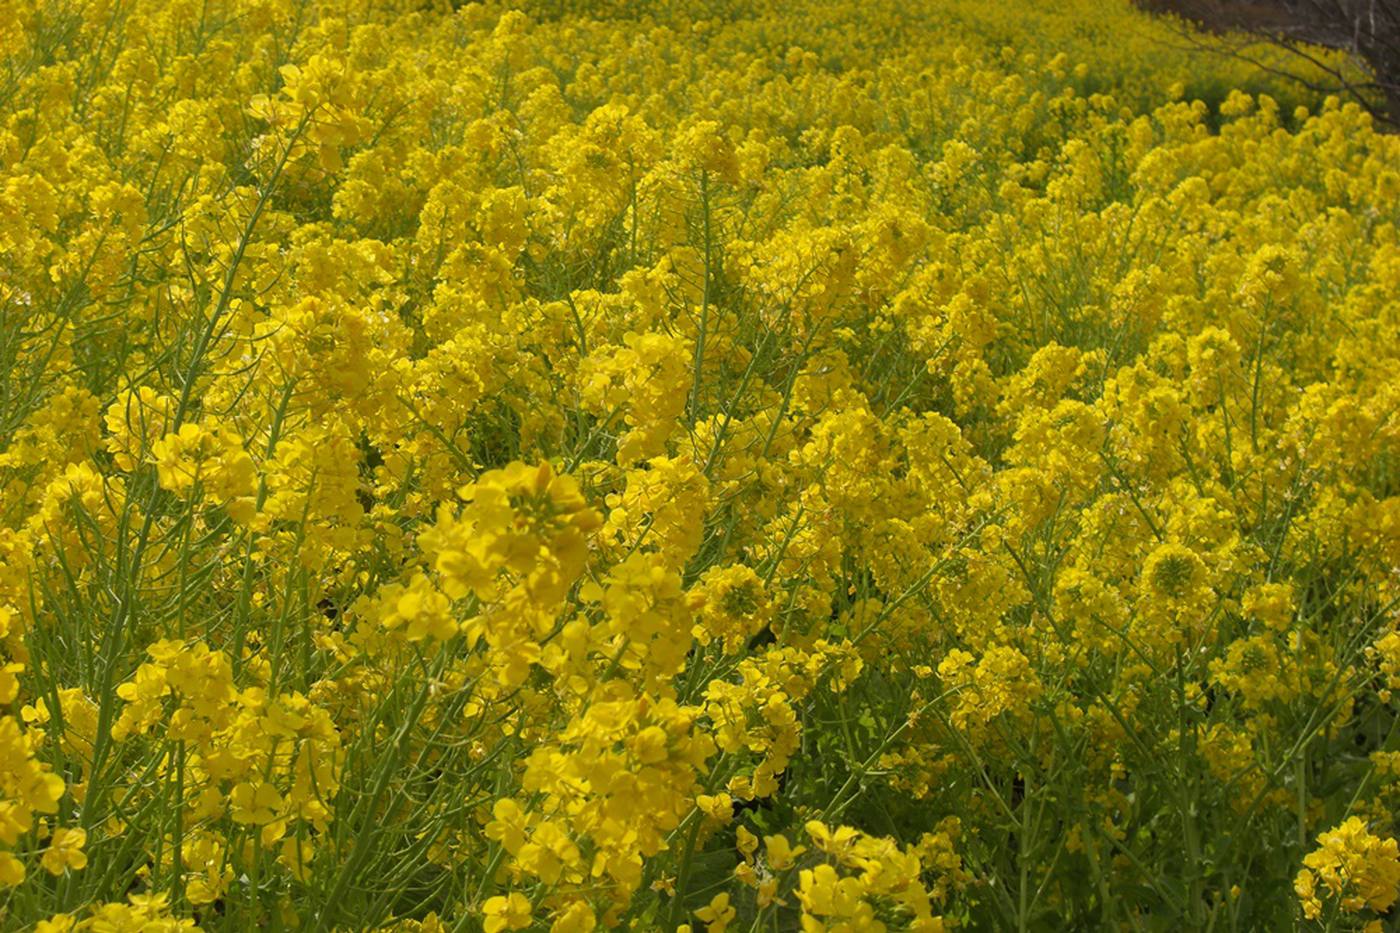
(823, 466)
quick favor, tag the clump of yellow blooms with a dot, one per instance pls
(1353, 869)
(575, 465)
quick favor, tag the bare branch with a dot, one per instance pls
(1367, 31)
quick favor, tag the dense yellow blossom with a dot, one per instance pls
(590, 464)
(1359, 870)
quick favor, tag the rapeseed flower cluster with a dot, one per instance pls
(570, 465)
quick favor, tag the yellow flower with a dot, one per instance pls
(718, 914)
(506, 912)
(578, 917)
(11, 870)
(65, 851)
(1357, 868)
(781, 853)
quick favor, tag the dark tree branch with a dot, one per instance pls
(1368, 31)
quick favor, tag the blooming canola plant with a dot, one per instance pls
(835, 466)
